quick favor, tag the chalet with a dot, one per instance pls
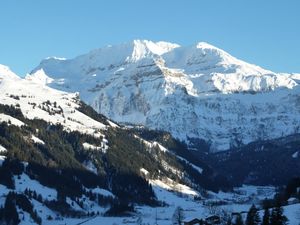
(194, 221)
(292, 201)
(212, 220)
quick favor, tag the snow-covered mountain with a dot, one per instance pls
(33, 102)
(194, 92)
(59, 158)
(38, 101)
(62, 163)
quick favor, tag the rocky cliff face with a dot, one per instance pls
(195, 92)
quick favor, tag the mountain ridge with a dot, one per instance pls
(23, 101)
(64, 160)
(198, 92)
(60, 161)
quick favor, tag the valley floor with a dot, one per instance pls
(194, 204)
(238, 201)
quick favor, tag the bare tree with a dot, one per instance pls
(223, 213)
(178, 216)
(139, 220)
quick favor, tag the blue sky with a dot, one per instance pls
(263, 32)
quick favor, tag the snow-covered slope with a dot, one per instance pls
(5, 72)
(194, 92)
(41, 102)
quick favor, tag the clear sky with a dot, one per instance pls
(263, 32)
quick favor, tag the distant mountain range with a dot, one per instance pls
(199, 93)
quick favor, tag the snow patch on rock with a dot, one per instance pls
(295, 155)
(89, 165)
(10, 120)
(2, 149)
(37, 140)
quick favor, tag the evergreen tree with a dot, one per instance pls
(229, 221)
(266, 217)
(239, 220)
(277, 217)
(253, 216)
(139, 220)
(10, 212)
(273, 217)
(178, 216)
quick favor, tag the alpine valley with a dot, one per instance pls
(148, 133)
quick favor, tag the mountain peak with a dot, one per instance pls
(39, 77)
(205, 45)
(5, 72)
(144, 48)
(55, 58)
(208, 48)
